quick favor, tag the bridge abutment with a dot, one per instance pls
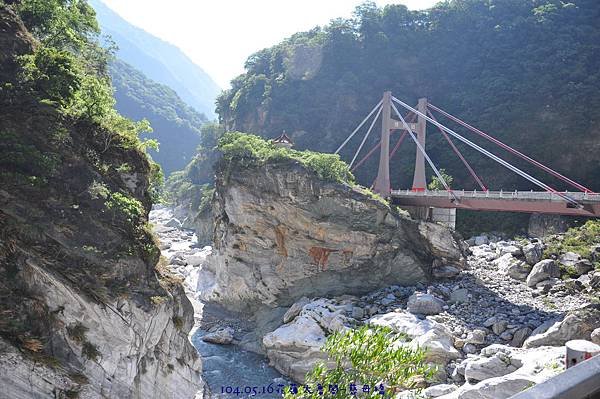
(541, 225)
(445, 216)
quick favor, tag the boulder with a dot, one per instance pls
(512, 267)
(569, 258)
(426, 304)
(438, 344)
(404, 322)
(529, 367)
(295, 309)
(576, 325)
(533, 252)
(581, 267)
(489, 367)
(435, 391)
(476, 337)
(595, 336)
(519, 336)
(281, 233)
(173, 222)
(481, 240)
(541, 271)
(499, 327)
(223, 336)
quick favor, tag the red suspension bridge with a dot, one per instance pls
(582, 201)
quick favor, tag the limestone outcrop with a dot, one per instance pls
(282, 233)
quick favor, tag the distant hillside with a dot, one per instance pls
(527, 71)
(176, 124)
(159, 60)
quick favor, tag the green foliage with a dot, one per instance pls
(69, 68)
(368, 356)
(129, 208)
(436, 183)
(248, 149)
(54, 74)
(576, 239)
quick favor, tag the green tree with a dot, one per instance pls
(436, 183)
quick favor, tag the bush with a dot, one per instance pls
(250, 150)
(367, 356)
(576, 239)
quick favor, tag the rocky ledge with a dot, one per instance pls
(282, 233)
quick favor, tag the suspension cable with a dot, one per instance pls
(513, 151)
(420, 147)
(359, 126)
(362, 143)
(462, 158)
(490, 155)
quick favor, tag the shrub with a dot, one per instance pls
(576, 239)
(248, 150)
(130, 208)
(367, 356)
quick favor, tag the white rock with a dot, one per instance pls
(223, 336)
(512, 267)
(571, 327)
(533, 252)
(489, 367)
(295, 309)
(404, 322)
(426, 304)
(435, 391)
(541, 271)
(438, 344)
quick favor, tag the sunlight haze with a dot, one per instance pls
(220, 35)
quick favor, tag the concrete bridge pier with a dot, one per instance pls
(445, 216)
(541, 225)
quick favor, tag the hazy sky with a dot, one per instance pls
(219, 35)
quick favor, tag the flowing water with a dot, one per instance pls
(229, 371)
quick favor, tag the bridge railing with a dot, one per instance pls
(517, 195)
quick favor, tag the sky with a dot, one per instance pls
(218, 35)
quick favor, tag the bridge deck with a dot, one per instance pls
(513, 201)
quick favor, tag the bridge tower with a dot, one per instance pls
(382, 183)
(419, 180)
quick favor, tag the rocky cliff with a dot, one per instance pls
(281, 233)
(85, 311)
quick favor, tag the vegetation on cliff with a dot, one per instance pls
(245, 150)
(75, 182)
(526, 71)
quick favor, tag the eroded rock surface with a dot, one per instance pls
(282, 233)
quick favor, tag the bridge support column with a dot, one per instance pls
(382, 183)
(419, 180)
(541, 225)
(445, 216)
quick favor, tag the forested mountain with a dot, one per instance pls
(159, 60)
(526, 71)
(176, 125)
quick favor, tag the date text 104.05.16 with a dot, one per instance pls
(295, 389)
